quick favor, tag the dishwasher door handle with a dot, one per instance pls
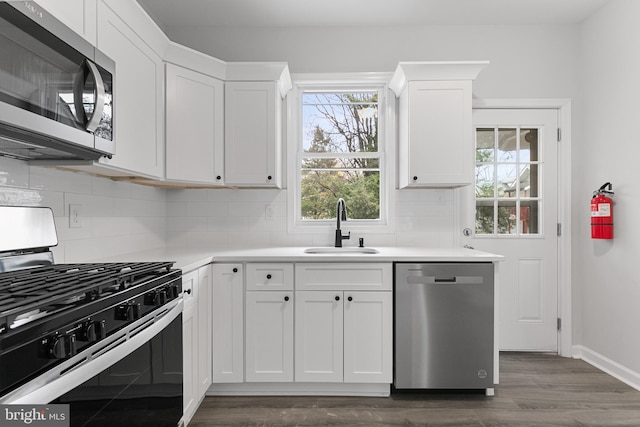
(439, 280)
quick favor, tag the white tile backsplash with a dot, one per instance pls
(117, 217)
(14, 174)
(121, 217)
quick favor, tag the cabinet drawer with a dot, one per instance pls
(263, 277)
(344, 276)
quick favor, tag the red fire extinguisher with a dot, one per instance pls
(602, 213)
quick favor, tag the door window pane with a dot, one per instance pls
(508, 175)
(484, 217)
(485, 181)
(485, 145)
(507, 145)
(507, 217)
(529, 217)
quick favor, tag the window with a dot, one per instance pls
(507, 181)
(339, 140)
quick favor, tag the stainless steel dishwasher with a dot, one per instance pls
(444, 326)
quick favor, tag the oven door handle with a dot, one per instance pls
(84, 366)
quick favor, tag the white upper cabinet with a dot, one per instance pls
(194, 127)
(253, 128)
(79, 15)
(435, 147)
(138, 91)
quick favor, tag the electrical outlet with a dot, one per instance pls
(268, 213)
(75, 216)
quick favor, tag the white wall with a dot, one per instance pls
(526, 61)
(608, 149)
(118, 217)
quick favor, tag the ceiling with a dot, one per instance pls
(361, 13)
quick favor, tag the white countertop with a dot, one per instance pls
(189, 259)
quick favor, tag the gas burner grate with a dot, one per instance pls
(51, 288)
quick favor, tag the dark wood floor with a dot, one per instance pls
(534, 390)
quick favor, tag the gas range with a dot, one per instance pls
(50, 314)
(68, 331)
(28, 295)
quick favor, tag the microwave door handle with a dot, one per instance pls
(90, 123)
(98, 108)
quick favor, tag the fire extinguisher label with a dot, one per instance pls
(601, 209)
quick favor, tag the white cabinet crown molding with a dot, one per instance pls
(186, 57)
(407, 71)
(261, 71)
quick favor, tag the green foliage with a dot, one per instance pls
(353, 129)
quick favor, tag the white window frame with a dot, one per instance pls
(386, 123)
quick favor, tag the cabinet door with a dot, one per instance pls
(318, 336)
(79, 15)
(228, 323)
(368, 339)
(269, 336)
(138, 97)
(252, 134)
(204, 336)
(189, 361)
(195, 135)
(436, 144)
(189, 287)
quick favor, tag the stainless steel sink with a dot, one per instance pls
(350, 249)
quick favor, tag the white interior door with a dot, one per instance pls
(513, 211)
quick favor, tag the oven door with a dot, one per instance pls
(133, 379)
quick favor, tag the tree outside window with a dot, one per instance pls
(340, 154)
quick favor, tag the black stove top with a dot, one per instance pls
(48, 314)
(27, 295)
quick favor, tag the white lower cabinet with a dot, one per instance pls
(269, 336)
(344, 337)
(319, 329)
(189, 400)
(269, 322)
(368, 337)
(196, 338)
(228, 323)
(204, 335)
(297, 325)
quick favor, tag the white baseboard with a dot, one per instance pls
(607, 365)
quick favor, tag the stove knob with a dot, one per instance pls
(62, 346)
(122, 312)
(162, 297)
(94, 331)
(135, 311)
(172, 292)
(150, 298)
(128, 312)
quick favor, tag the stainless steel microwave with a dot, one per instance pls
(56, 89)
